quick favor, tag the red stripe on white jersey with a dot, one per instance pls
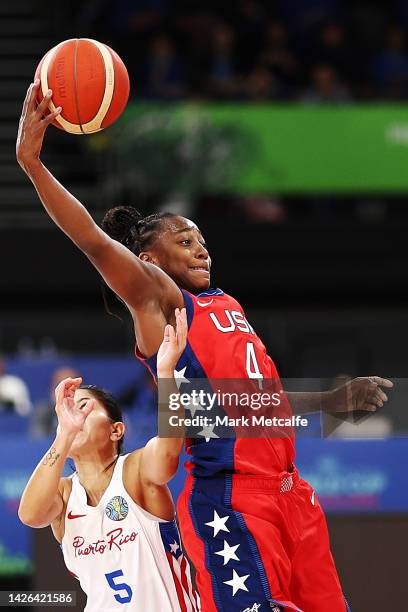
(177, 583)
(191, 590)
(179, 568)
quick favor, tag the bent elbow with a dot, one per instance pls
(28, 518)
(25, 518)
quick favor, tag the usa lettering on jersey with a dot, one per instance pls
(235, 320)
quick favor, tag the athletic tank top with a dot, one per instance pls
(223, 345)
(124, 557)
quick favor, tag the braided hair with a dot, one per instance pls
(126, 225)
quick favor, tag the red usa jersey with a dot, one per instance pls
(223, 345)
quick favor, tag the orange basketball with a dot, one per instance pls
(88, 80)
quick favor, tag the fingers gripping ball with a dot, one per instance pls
(88, 80)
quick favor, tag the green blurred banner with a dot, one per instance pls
(251, 149)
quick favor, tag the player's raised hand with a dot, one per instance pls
(174, 343)
(362, 393)
(32, 126)
(71, 417)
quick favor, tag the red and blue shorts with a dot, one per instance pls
(259, 544)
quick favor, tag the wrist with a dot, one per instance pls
(64, 439)
(328, 401)
(31, 165)
(165, 373)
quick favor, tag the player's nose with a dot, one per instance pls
(201, 251)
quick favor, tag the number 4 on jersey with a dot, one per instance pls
(119, 586)
(252, 366)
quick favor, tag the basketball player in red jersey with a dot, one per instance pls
(253, 529)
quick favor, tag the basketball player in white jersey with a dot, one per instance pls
(114, 517)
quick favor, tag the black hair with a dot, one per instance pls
(126, 225)
(112, 408)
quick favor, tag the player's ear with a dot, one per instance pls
(145, 256)
(118, 431)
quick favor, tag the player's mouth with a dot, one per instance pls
(204, 269)
(200, 270)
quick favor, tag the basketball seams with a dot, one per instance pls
(114, 85)
(121, 90)
(66, 125)
(96, 123)
(44, 79)
(77, 42)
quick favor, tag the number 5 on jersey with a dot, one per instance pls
(119, 586)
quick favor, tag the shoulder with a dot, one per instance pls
(132, 476)
(153, 498)
(131, 461)
(131, 470)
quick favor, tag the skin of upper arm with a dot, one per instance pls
(155, 498)
(58, 523)
(136, 282)
(158, 464)
(134, 473)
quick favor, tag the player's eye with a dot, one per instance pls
(186, 241)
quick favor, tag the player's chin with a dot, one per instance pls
(199, 280)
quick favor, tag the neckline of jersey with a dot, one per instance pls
(119, 461)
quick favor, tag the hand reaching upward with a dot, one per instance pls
(32, 126)
(173, 345)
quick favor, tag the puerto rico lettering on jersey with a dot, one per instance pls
(115, 538)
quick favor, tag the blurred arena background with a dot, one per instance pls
(281, 128)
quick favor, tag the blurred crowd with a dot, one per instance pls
(313, 51)
(22, 414)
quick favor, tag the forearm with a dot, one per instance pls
(160, 456)
(63, 208)
(42, 489)
(127, 276)
(167, 388)
(307, 403)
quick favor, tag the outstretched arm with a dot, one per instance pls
(362, 393)
(135, 281)
(42, 501)
(160, 456)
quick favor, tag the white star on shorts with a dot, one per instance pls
(179, 377)
(228, 552)
(237, 582)
(218, 524)
(207, 432)
(193, 406)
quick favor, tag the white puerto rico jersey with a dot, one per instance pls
(124, 557)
